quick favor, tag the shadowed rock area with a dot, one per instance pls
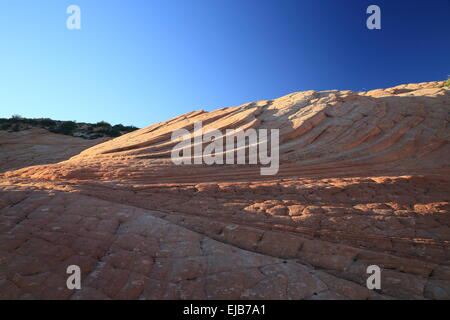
(363, 180)
(38, 146)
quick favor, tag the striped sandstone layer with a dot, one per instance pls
(363, 180)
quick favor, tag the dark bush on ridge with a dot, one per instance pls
(82, 130)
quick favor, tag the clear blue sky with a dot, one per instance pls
(138, 62)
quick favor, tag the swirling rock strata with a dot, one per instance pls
(363, 180)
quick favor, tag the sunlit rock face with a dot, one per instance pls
(363, 180)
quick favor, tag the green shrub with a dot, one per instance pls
(102, 124)
(67, 127)
(48, 122)
(447, 83)
(119, 127)
(130, 128)
(15, 118)
(5, 126)
(114, 133)
(32, 122)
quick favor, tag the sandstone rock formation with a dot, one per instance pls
(38, 146)
(363, 180)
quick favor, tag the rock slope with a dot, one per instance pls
(38, 146)
(363, 180)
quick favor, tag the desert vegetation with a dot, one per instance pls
(71, 128)
(445, 84)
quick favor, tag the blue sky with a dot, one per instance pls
(138, 62)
